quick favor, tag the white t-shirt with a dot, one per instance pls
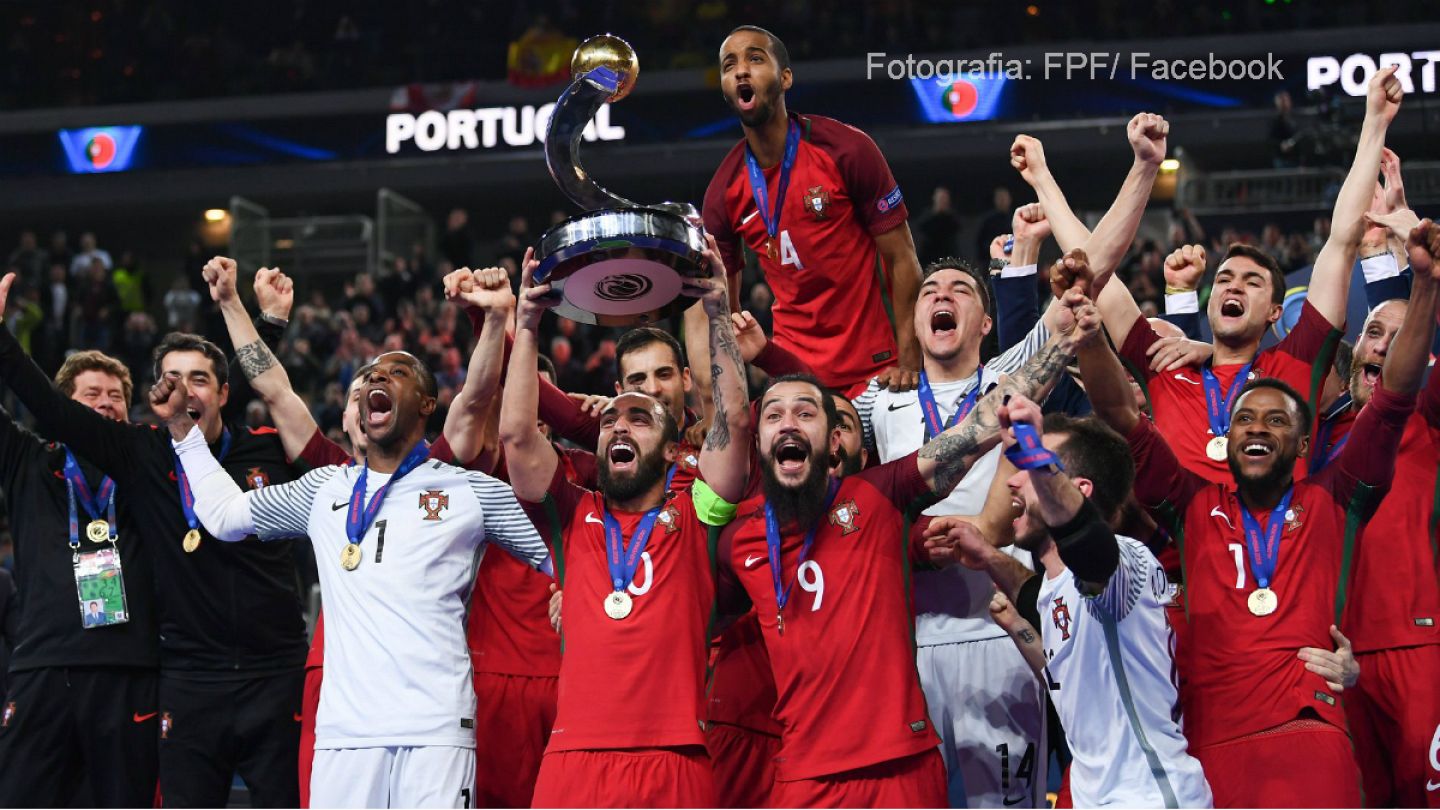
(397, 666)
(952, 604)
(1111, 675)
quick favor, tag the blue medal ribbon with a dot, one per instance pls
(1264, 551)
(97, 506)
(1217, 404)
(1324, 453)
(760, 189)
(670, 475)
(187, 498)
(933, 426)
(772, 544)
(1028, 452)
(361, 515)
(623, 559)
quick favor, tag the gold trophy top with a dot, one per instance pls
(607, 50)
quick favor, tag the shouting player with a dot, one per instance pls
(635, 561)
(397, 710)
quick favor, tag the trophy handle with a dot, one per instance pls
(577, 105)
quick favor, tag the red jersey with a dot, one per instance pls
(638, 682)
(1177, 398)
(742, 690)
(1394, 593)
(321, 452)
(1243, 674)
(826, 273)
(848, 691)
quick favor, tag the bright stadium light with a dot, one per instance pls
(1170, 165)
(216, 214)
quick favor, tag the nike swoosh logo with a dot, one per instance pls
(753, 214)
(336, 507)
(751, 560)
(895, 407)
(1183, 378)
(1215, 512)
(590, 518)
(140, 718)
(1432, 786)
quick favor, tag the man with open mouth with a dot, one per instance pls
(1266, 559)
(635, 561)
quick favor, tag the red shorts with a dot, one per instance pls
(914, 781)
(744, 762)
(640, 777)
(1394, 713)
(1303, 763)
(309, 704)
(512, 726)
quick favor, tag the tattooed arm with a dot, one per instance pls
(725, 458)
(945, 459)
(288, 411)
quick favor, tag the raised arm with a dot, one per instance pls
(529, 458)
(1330, 280)
(485, 293)
(725, 457)
(266, 375)
(1409, 354)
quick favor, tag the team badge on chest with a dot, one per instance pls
(257, 478)
(844, 515)
(669, 518)
(1294, 518)
(432, 502)
(817, 201)
(1061, 616)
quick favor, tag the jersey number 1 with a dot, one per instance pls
(380, 542)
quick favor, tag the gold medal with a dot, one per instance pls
(618, 605)
(1262, 602)
(98, 531)
(192, 541)
(770, 249)
(350, 557)
(1216, 448)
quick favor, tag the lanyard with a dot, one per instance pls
(933, 425)
(1265, 552)
(772, 543)
(1324, 453)
(97, 506)
(1217, 404)
(760, 190)
(1028, 452)
(187, 498)
(624, 560)
(360, 515)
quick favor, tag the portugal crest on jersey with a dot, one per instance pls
(669, 518)
(817, 201)
(844, 515)
(432, 502)
(1061, 616)
(256, 478)
(1294, 518)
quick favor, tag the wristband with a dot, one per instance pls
(1181, 303)
(1022, 270)
(1379, 267)
(275, 320)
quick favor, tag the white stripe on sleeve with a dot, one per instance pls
(283, 510)
(506, 522)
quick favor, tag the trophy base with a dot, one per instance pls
(622, 267)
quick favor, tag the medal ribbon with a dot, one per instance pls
(97, 506)
(361, 514)
(1324, 453)
(1264, 552)
(623, 559)
(1217, 404)
(772, 544)
(187, 498)
(1028, 453)
(928, 407)
(760, 189)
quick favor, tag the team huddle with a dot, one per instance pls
(868, 586)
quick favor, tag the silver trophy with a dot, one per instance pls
(620, 263)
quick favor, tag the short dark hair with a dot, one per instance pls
(982, 284)
(188, 342)
(1344, 357)
(1265, 260)
(1093, 450)
(778, 51)
(832, 415)
(639, 338)
(1306, 417)
(547, 366)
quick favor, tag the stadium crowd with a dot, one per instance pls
(831, 547)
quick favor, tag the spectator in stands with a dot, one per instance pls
(997, 220)
(456, 244)
(138, 339)
(131, 283)
(97, 307)
(1272, 241)
(28, 260)
(60, 252)
(939, 228)
(1284, 133)
(182, 306)
(89, 252)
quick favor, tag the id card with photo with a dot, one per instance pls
(101, 587)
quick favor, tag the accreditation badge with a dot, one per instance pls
(101, 587)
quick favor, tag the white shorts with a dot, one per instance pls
(986, 706)
(426, 776)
